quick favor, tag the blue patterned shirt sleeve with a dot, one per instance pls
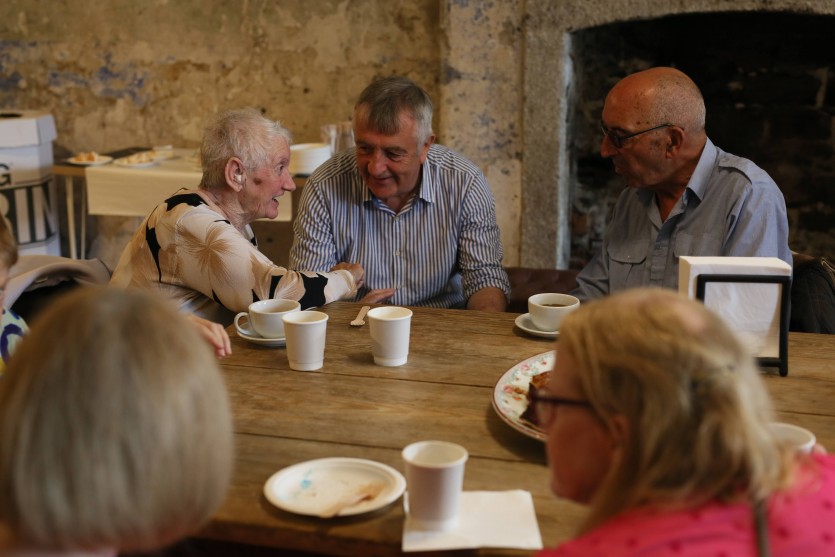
(730, 208)
(12, 330)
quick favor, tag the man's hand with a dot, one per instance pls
(379, 296)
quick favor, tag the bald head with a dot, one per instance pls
(661, 95)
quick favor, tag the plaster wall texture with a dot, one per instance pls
(118, 73)
(121, 72)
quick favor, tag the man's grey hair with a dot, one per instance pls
(382, 102)
(678, 101)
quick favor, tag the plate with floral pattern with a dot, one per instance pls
(510, 394)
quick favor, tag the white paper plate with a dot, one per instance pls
(311, 487)
(524, 322)
(102, 159)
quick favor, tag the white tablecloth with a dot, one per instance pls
(134, 192)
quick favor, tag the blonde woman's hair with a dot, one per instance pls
(115, 430)
(696, 410)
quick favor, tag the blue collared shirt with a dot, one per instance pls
(440, 249)
(731, 207)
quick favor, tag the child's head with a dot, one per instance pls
(8, 255)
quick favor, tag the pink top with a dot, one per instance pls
(801, 521)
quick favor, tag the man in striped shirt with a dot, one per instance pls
(417, 216)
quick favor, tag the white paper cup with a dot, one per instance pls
(390, 328)
(547, 310)
(434, 479)
(264, 318)
(801, 439)
(305, 332)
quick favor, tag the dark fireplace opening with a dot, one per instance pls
(769, 85)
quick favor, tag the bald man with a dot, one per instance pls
(685, 196)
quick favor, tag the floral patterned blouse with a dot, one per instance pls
(189, 252)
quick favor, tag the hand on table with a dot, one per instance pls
(378, 296)
(214, 334)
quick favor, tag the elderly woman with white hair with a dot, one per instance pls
(657, 419)
(198, 248)
(119, 439)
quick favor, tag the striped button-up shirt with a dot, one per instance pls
(437, 251)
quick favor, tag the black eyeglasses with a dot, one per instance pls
(544, 406)
(617, 140)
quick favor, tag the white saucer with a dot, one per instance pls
(254, 338)
(524, 322)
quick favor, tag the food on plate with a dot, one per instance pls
(140, 158)
(86, 156)
(537, 382)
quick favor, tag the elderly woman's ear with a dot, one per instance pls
(235, 173)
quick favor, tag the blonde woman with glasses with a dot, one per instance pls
(115, 429)
(657, 419)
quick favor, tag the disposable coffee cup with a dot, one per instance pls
(306, 331)
(390, 328)
(265, 318)
(434, 479)
(547, 310)
(800, 439)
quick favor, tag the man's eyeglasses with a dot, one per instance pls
(617, 140)
(545, 406)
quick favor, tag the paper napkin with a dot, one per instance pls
(752, 309)
(487, 519)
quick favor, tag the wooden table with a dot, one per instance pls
(354, 408)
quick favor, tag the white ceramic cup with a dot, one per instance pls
(305, 332)
(801, 439)
(264, 318)
(390, 328)
(547, 310)
(434, 479)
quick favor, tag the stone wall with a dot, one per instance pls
(119, 73)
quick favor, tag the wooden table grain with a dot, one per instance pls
(353, 408)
